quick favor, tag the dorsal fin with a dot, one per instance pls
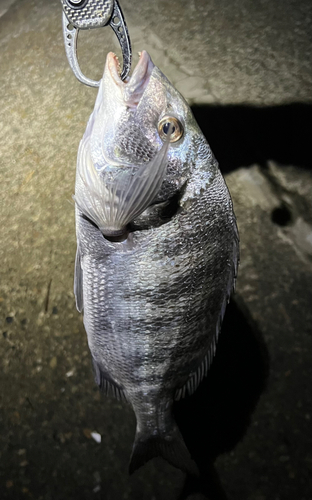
(197, 376)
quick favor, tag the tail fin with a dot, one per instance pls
(171, 447)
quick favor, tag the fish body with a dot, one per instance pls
(157, 252)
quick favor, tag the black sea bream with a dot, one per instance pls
(157, 251)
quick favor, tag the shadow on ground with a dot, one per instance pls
(217, 416)
(243, 135)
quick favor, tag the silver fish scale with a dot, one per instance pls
(131, 142)
(153, 303)
(133, 146)
(151, 306)
(92, 15)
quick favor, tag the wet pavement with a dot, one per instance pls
(246, 68)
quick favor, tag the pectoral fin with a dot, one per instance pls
(111, 203)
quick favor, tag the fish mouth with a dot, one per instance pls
(132, 88)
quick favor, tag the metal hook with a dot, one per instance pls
(87, 14)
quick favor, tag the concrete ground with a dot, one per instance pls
(246, 67)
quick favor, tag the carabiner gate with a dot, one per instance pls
(88, 14)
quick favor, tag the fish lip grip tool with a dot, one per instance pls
(89, 14)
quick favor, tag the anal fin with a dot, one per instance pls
(107, 385)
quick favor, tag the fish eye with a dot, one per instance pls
(177, 128)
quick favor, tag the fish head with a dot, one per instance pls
(130, 123)
(140, 147)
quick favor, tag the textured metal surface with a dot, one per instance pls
(118, 24)
(70, 34)
(92, 14)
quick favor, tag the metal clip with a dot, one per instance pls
(88, 14)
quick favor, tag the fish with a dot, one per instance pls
(157, 252)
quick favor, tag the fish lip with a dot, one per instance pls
(113, 67)
(132, 88)
(142, 70)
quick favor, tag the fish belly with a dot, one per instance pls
(152, 305)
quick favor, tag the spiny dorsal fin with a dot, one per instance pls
(197, 376)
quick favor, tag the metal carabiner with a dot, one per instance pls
(88, 14)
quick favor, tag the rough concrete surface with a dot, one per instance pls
(246, 67)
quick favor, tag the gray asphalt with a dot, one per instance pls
(246, 67)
